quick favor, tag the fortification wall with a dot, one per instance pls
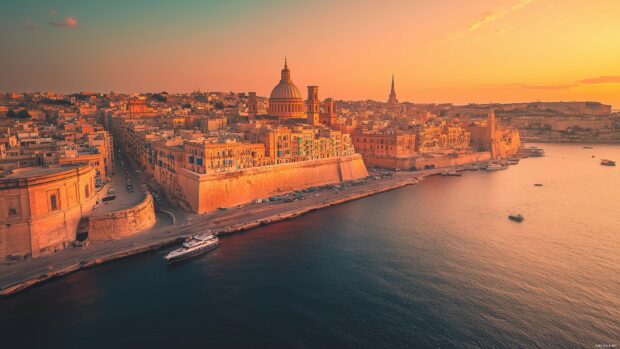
(420, 162)
(206, 193)
(124, 223)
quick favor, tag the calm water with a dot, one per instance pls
(433, 265)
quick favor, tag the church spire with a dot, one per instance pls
(392, 100)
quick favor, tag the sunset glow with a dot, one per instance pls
(439, 51)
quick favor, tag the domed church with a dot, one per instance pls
(285, 100)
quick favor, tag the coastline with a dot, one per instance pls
(73, 260)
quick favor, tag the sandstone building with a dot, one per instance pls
(41, 207)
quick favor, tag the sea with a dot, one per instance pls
(434, 265)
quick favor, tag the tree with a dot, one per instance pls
(219, 105)
(158, 97)
(23, 114)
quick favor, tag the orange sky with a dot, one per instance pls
(440, 51)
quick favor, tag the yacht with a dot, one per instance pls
(517, 218)
(195, 246)
(495, 167)
(606, 162)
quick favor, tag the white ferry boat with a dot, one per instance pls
(197, 245)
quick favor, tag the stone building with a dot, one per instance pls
(385, 144)
(41, 207)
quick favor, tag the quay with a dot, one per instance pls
(20, 275)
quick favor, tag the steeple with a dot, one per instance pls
(392, 101)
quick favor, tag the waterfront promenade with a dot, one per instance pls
(17, 276)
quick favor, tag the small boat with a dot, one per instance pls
(513, 161)
(588, 147)
(495, 167)
(198, 244)
(533, 151)
(517, 218)
(538, 184)
(454, 174)
(444, 173)
(606, 162)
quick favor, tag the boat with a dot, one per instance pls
(538, 184)
(588, 147)
(513, 161)
(517, 218)
(532, 151)
(495, 167)
(472, 168)
(198, 244)
(454, 174)
(606, 162)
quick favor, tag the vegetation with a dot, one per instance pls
(219, 105)
(22, 114)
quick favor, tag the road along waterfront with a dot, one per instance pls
(18, 276)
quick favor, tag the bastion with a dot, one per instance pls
(122, 223)
(208, 192)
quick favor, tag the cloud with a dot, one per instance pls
(69, 22)
(525, 86)
(601, 80)
(499, 14)
(30, 25)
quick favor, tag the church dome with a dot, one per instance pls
(285, 90)
(285, 100)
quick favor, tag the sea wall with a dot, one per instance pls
(421, 162)
(123, 223)
(205, 193)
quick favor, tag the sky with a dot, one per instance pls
(458, 51)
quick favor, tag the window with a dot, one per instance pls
(53, 202)
(87, 191)
(12, 211)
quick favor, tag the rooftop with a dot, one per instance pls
(38, 171)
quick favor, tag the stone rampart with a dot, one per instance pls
(123, 223)
(205, 193)
(420, 162)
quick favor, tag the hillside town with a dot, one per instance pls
(63, 157)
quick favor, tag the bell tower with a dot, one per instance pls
(252, 106)
(313, 105)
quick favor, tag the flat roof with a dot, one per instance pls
(27, 172)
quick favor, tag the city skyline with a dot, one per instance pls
(487, 51)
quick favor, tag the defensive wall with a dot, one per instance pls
(421, 162)
(207, 192)
(123, 223)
